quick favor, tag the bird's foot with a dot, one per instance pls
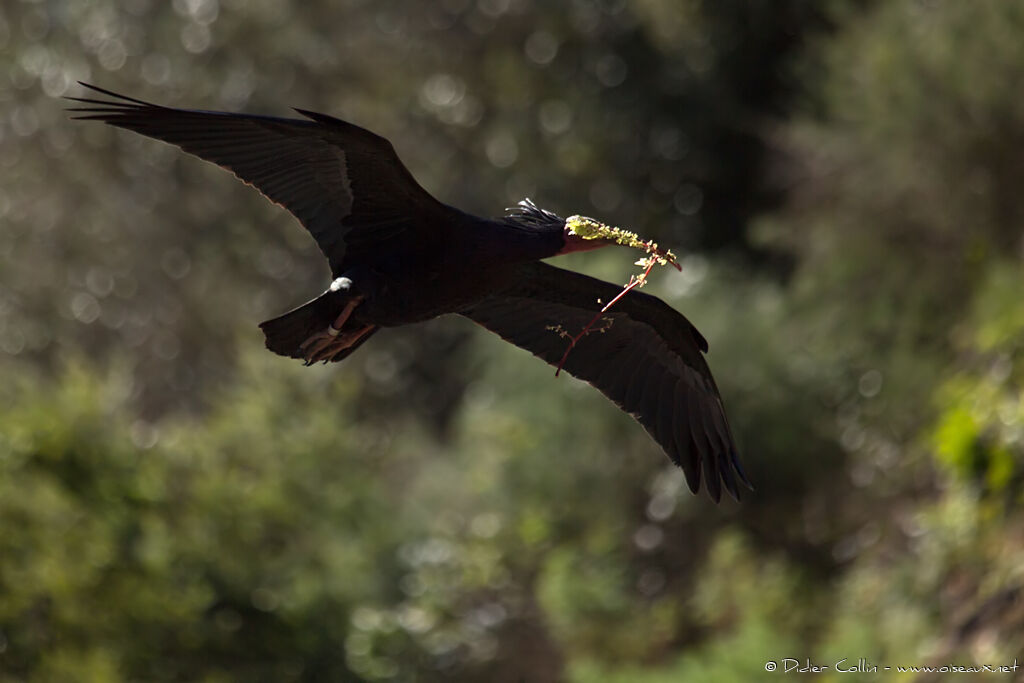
(317, 343)
(325, 345)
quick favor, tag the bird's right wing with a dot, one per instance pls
(642, 354)
(345, 184)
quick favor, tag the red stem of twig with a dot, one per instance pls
(661, 253)
(634, 282)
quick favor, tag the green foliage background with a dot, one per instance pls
(842, 181)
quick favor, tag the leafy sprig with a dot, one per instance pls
(590, 229)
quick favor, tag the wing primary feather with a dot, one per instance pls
(734, 456)
(702, 447)
(728, 479)
(664, 408)
(110, 93)
(712, 478)
(725, 442)
(689, 457)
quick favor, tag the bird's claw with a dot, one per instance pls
(313, 348)
(326, 344)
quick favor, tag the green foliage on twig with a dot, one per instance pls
(591, 229)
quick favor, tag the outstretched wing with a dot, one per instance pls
(642, 354)
(345, 184)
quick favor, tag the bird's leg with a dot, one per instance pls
(325, 338)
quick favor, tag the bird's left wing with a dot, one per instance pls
(642, 354)
(345, 184)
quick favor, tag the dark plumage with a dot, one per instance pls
(399, 256)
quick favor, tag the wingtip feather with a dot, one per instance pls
(111, 93)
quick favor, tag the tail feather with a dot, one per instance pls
(285, 334)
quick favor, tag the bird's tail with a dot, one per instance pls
(285, 334)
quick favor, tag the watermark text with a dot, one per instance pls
(795, 665)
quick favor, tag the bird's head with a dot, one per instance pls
(578, 232)
(582, 233)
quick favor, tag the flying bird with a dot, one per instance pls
(399, 256)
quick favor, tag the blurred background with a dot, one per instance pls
(843, 182)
